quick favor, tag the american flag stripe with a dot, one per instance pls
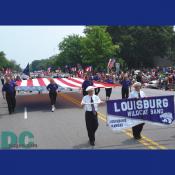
(75, 80)
(62, 84)
(72, 82)
(35, 82)
(67, 83)
(46, 81)
(41, 82)
(29, 82)
(24, 83)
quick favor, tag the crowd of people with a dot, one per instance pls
(164, 78)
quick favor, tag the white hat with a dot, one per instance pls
(90, 88)
(137, 84)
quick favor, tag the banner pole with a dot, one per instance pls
(106, 115)
(108, 70)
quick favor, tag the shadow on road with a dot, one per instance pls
(36, 102)
(82, 146)
(134, 144)
(129, 144)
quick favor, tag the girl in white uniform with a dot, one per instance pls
(91, 103)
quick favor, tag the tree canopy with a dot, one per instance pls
(70, 51)
(132, 46)
(43, 64)
(98, 47)
(139, 45)
(5, 63)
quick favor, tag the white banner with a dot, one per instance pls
(120, 123)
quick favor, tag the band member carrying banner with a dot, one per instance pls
(137, 93)
(90, 103)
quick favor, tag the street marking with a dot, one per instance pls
(151, 141)
(99, 116)
(25, 112)
(145, 140)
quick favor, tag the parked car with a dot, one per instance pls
(152, 84)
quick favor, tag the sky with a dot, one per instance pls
(27, 43)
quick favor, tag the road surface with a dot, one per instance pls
(65, 128)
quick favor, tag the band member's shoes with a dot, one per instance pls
(92, 143)
(137, 137)
(53, 108)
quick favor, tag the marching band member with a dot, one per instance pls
(126, 84)
(109, 80)
(90, 103)
(97, 78)
(9, 94)
(137, 93)
(13, 83)
(52, 88)
(2, 79)
(87, 82)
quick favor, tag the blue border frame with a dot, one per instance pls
(87, 162)
(91, 12)
(88, 12)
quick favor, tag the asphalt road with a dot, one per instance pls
(65, 128)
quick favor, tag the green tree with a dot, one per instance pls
(141, 44)
(70, 51)
(98, 47)
(5, 63)
(43, 64)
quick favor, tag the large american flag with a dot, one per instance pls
(39, 84)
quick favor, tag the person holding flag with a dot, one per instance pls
(52, 88)
(13, 84)
(80, 73)
(111, 63)
(97, 78)
(49, 69)
(90, 103)
(2, 79)
(88, 69)
(9, 94)
(109, 80)
(8, 71)
(87, 82)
